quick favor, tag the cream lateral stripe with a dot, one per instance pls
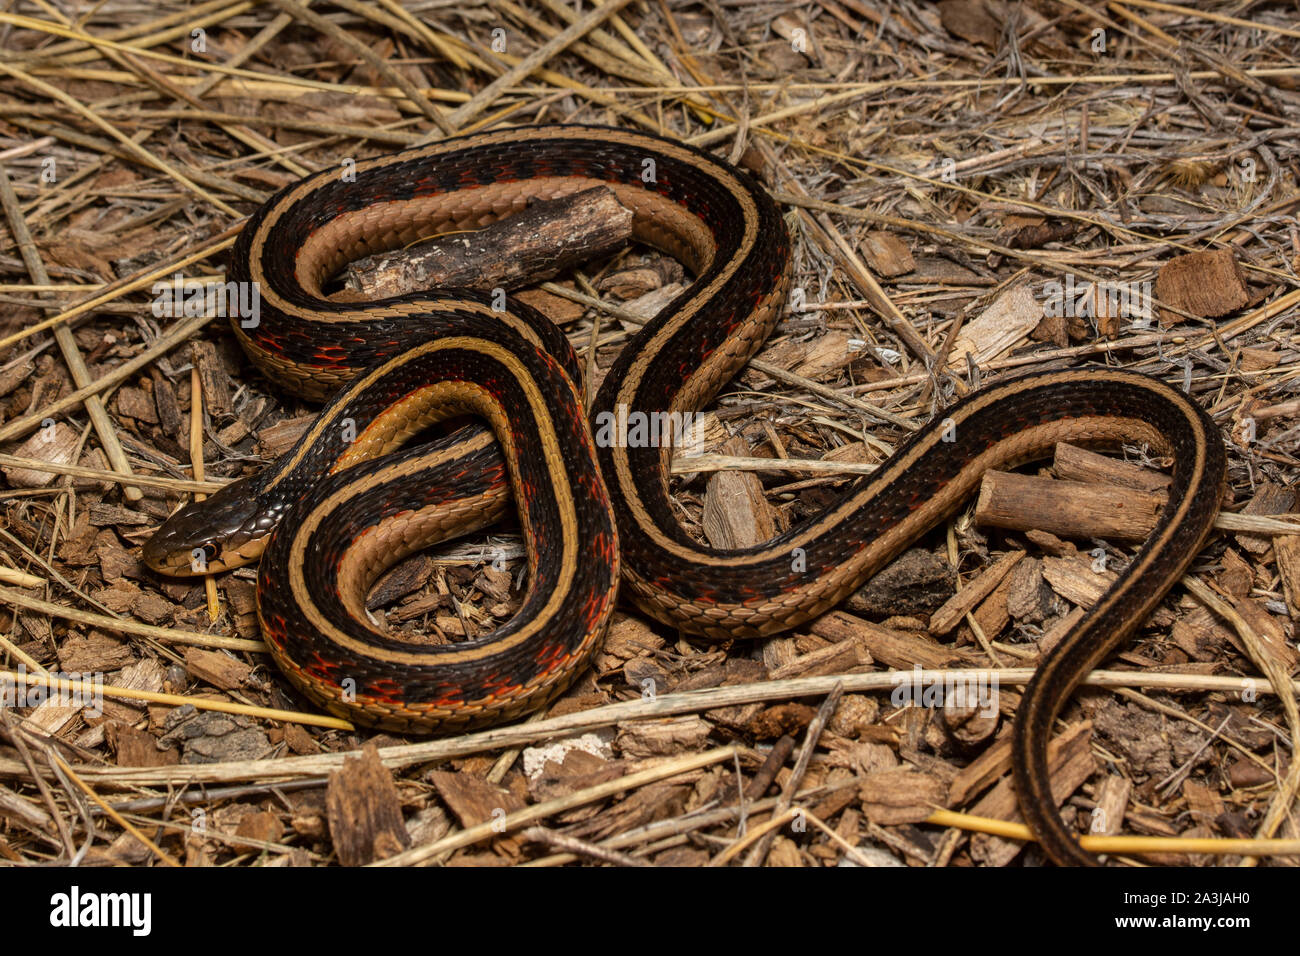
(887, 473)
(430, 404)
(431, 301)
(652, 147)
(327, 420)
(1170, 521)
(631, 383)
(523, 135)
(560, 489)
(388, 473)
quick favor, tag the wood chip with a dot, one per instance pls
(471, 800)
(1269, 499)
(1286, 549)
(901, 795)
(364, 811)
(217, 668)
(1004, 324)
(916, 582)
(138, 404)
(56, 443)
(656, 738)
(1112, 800)
(736, 513)
(896, 650)
(1206, 284)
(950, 615)
(1070, 763)
(213, 379)
(886, 254)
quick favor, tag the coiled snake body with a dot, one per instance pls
(351, 498)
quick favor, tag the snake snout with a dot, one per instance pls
(226, 531)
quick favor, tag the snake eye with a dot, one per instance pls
(202, 557)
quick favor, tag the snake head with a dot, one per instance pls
(225, 531)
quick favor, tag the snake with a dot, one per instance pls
(446, 408)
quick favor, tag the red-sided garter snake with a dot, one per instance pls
(347, 506)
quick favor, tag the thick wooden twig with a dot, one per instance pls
(536, 244)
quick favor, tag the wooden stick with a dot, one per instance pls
(405, 755)
(1078, 464)
(1071, 509)
(541, 241)
(196, 460)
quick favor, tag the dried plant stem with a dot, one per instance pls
(1279, 807)
(127, 626)
(176, 700)
(1125, 845)
(174, 337)
(665, 706)
(63, 336)
(131, 146)
(540, 811)
(486, 96)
